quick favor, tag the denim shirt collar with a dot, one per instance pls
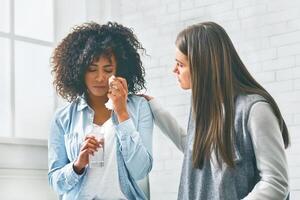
(82, 102)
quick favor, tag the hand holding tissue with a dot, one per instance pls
(109, 103)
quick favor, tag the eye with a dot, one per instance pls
(92, 69)
(108, 69)
(179, 65)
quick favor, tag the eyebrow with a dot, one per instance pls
(179, 61)
(105, 66)
(92, 64)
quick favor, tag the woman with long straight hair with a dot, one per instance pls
(236, 137)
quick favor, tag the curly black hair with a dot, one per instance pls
(86, 43)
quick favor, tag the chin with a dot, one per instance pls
(185, 87)
(98, 93)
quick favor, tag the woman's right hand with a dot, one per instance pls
(88, 147)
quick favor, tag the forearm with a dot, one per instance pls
(63, 179)
(268, 190)
(61, 175)
(138, 159)
(137, 155)
(168, 125)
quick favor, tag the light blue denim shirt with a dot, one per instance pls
(134, 146)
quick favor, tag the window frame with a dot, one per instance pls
(13, 37)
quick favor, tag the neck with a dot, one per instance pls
(96, 102)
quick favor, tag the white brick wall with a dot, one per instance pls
(266, 33)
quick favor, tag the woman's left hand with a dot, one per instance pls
(118, 92)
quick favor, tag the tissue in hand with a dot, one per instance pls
(109, 103)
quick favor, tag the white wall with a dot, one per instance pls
(266, 34)
(23, 170)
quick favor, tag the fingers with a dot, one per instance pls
(91, 139)
(90, 144)
(124, 83)
(118, 85)
(147, 97)
(87, 151)
(110, 96)
(118, 92)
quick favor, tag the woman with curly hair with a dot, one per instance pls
(82, 64)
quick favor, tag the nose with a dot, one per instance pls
(100, 77)
(175, 69)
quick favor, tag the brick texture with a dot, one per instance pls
(266, 34)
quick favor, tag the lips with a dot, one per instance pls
(99, 87)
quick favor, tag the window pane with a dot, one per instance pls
(5, 100)
(34, 19)
(4, 15)
(34, 95)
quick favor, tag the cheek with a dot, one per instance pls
(88, 78)
(105, 79)
(183, 74)
(186, 76)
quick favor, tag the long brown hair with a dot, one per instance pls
(218, 75)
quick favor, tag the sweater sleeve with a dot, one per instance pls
(168, 125)
(270, 155)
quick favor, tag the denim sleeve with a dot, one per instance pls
(136, 142)
(61, 175)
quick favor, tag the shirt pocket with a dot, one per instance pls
(73, 144)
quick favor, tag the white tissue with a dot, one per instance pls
(109, 103)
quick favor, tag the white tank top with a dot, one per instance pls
(102, 183)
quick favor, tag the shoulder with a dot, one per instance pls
(136, 99)
(262, 113)
(243, 103)
(249, 99)
(255, 109)
(64, 114)
(138, 104)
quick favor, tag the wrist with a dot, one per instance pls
(123, 116)
(78, 169)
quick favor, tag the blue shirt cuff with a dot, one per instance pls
(71, 176)
(125, 129)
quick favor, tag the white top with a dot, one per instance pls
(102, 183)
